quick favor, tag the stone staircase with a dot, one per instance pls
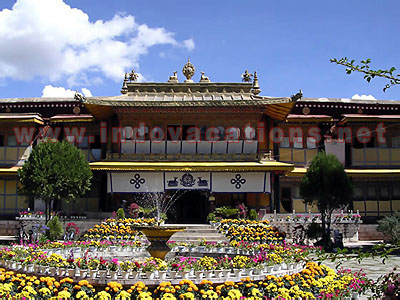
(197, 232)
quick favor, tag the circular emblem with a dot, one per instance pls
(187, 180)
(306, 110)
(76, 110)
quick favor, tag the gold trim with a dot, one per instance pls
(9, 171)
(296, 172)
(192, 166)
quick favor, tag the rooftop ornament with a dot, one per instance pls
(133, 76)
(246, 76)
(173, 78)
(124, 88)
(188, 70)
(204, 78)
(79, 97)
(256, 87)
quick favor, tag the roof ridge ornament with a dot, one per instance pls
(256, 86)
(79, 97)
(133, 76)
(124, 89)
(204, 78)
(174, 77)
(188, 70)
(246, 76)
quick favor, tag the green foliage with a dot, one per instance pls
(314, 231)
(227, 212)
(211, 217)
(327, 185)
(390, 225)
(120, 213)
(55, 228)
(55, 171)
(253, 215)
(364, 67)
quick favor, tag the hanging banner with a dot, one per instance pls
(239, 182)
(187, 180)
(135, 182)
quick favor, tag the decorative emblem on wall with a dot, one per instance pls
(202, 182)
(238, 181)
(137, 181)
(173, 183)
(187, 180)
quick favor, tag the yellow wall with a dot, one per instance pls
(10, 202)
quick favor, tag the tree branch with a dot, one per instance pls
(364, 68)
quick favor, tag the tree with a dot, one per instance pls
(327, 185)
(368, 72)
(55, 171)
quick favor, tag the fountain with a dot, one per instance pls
(159, 234)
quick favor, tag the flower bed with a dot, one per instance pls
(314, 281)
(241, 230)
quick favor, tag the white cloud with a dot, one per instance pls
(189, 44)
(363, 97)
(60, 92)
(48, 38)
(86, 92)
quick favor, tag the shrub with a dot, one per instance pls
(55, 228)
(253, 215)
(227, 212)
(211, 217)
(120, 213)
(314, 231)
(390, 225)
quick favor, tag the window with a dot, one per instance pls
(286, 193)
(11, 141)
(1, 140)
(296, 192)
(358, 194)
(311, 143)
(285, 142)
(371, 193)
(174, 132)
(396, 142)
(250, 133)
(84, 144)
(298, 142)
(186, 132)
(396, 193)
(383, 193)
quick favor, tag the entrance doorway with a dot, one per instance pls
(191, 208)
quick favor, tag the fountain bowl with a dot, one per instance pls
(158, 237)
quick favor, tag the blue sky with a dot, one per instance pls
(289, 44)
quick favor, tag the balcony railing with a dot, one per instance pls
(187, 150)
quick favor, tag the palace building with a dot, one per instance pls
(223, 143)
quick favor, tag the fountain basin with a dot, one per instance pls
(158, 237)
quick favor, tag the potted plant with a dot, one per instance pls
(113, 267)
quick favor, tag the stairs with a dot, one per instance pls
(197, 232)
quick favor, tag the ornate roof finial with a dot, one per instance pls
(256, 87)
(246, 76)
(79, 97)
(133, 76)
(204, 78)
(124, 88)
(173, 78)
(188, 70)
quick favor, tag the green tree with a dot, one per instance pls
(55, 171)
(364, 67)
(327, 185)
